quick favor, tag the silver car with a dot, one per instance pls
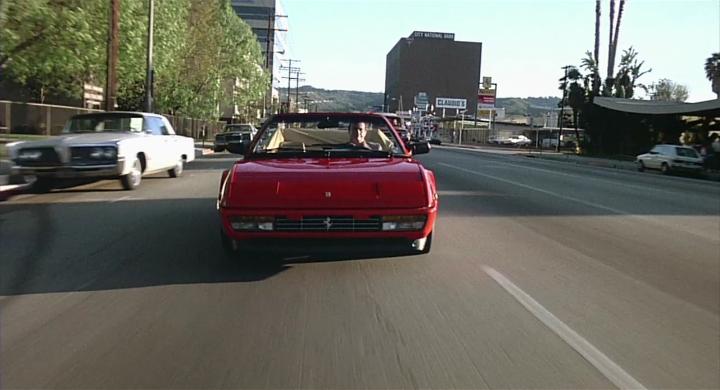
(668, 158)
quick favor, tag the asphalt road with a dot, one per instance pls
(542, 275)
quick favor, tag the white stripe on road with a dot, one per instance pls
(594, 356)
(613, 210)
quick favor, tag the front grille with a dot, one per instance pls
(42, 157)
(328, 224)
(83, 156)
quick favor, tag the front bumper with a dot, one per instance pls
(70, 171)
(227, 213)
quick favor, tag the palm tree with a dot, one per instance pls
(712, 71)
(573, 96)
(596, 59)
(613, 45)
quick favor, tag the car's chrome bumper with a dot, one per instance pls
(70, 171)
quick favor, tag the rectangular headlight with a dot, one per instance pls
(264, 224)
(404, 222)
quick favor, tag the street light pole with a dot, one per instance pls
(150, 71)
(112, 56)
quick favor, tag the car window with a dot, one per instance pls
(311, 134)
(154, 125)
(686, 152)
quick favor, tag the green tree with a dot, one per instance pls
(712, 71)
(51, 45)
(667, 90)
(631, 69)
(575, 97)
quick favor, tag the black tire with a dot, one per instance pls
(641, 166)
(177, 170)
(665, 168)
(133, 179)
(230, 246)
(43, 185)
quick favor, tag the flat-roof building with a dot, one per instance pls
(432, 65)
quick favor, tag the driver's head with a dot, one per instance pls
(358, 131)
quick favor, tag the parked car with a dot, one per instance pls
(519, 140)
(669, 158)
(234, 133)
(302, 177)
(124, 145)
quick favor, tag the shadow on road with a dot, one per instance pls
(94, 246)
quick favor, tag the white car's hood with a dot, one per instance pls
(80, 139)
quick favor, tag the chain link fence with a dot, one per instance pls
(48, 120)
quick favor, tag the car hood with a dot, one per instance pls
(321, 183)
(79, 139)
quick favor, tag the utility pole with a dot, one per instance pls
(270, 52)
(290, 78)
(297, 91)
(150, 71)
(113, 49)
(290, 70)
(562, 109)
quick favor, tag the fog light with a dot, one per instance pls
(404, 222)
(389, 226)
(265, 226)
(252, 223)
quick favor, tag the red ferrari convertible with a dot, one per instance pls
(328, 176)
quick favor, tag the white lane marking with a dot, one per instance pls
(594, 356)
(613, 210)
(120, 199)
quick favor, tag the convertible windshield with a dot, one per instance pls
(104, 123)
(329, 135)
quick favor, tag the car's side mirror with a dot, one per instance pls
(237, 148)
(420, 147)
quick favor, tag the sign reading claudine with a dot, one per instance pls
(457, 104)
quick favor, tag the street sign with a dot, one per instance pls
(422, 101)
(93, 95)
(487, 82)
(486, 97)
(453, 103)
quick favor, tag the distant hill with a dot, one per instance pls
(342, 101)
(534, 106)
(335, 100)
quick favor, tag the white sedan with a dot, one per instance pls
(668, 158)
(520, 140)
(124, 145)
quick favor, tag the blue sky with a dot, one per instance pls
(343, 43)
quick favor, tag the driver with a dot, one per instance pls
(358, 132)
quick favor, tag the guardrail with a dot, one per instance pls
(49, 119)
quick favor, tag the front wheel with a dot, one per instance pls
(177, 170)
(641, 166)
(132, 180)
(665, 169)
